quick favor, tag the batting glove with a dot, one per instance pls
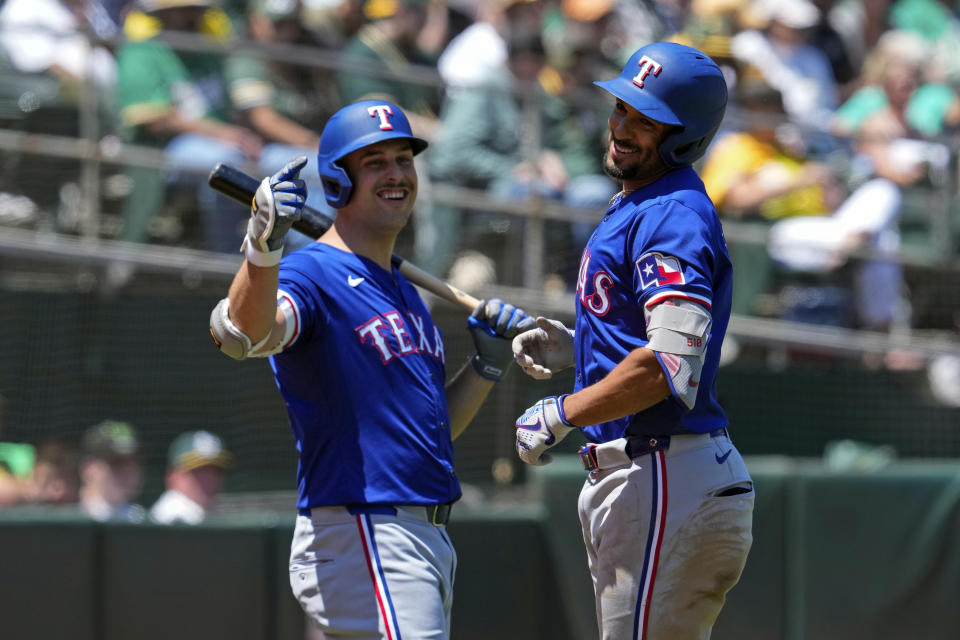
(276, 206)
(493, 324)
(542, 351)
(540, 427)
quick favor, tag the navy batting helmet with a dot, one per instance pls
(353, 127)
(677, 85)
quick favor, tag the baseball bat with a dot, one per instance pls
(240, 186)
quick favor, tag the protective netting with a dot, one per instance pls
(75, 354)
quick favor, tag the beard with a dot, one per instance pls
(614, 171)
(642, 166)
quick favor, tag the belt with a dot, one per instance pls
(619, 452)
(436, 514)
(439, 514)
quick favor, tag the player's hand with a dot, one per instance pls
(493, 324)
(543, 350)
(276, 206)
(540, 427)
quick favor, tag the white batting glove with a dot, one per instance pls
(542, 351)
(276, 206)
(540, 427)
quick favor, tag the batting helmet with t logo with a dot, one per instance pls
(677, 85)
(353, 127)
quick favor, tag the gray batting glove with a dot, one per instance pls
(542, 351)
(540, 427)
(493, 324)
(276, 206)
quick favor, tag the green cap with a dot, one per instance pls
(197, 449)
(109, 439)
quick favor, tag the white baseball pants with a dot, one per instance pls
(663, 545)
(374, 576)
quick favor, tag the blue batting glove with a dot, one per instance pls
(493, 325)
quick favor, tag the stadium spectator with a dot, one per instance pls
(49, 36)
(53, 480)
(757, 172)
(900, 124)
(16, 462)
(900, 97)
(111, 473)
(283, 102)
(286, 104)
(816, 225)
(333, 22)
(484, 143)
(195, 466)
(480, 51)
(842, 50)
(176, 101)
(801, 72)
(51, 67)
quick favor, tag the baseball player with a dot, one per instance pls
(361, 367)
(667, 506)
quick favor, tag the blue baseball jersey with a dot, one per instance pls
(363, 381)
(658, 243)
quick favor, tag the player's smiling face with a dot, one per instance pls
(631, 155)
(384, 180)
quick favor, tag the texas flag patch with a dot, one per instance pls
(657, 270)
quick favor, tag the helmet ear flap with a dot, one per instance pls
(336, 185)
(681, 152)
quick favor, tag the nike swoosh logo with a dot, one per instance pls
(354, 280)
(692, 382)
(723, 458)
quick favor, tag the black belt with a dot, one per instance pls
(642, 445)
(437, 514)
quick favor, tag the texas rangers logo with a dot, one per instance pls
(656, 270)
(391, 336)
(597, 302)
(382, 111)
(647, 66)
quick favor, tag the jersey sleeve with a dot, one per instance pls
(674, 258)
(306, 309)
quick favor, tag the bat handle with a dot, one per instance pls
(435, 285)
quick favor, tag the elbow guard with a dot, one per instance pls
(679, 333)
(228, 338)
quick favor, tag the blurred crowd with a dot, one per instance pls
(839, 140)
(101, 477)
(839, 146)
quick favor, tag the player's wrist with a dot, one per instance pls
(260, 258)
(561, 411)
(486, 368)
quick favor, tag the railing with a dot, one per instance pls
(93, 148)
